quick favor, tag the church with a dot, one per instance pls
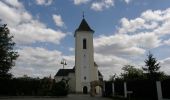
(85, 69)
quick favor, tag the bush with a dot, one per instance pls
(60, 89)
(33, 87)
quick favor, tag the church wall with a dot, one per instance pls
(71, 78)
(84, 61)
(72, 82)
(59, 78)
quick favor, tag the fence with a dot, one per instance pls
(166, 88)
(143, 89)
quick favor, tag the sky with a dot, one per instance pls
(125, 31)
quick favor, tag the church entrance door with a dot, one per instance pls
(85, 90)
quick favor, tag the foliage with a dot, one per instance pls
(130, 73)
(7, 54)
(151, 64)
(27, 86)
(113, 77)
(61, 88)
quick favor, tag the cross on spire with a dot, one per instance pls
(83, 14)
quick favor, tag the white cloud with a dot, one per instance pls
(25, 28)
(39, 62)
(109, 65)
(167, 42)
(58, 20)
(78, 2)
(123, 44)
(71, 49)
(102, 4)
(131, 26)
(127, 1)
(13, 3)
(99, 5)
(132, 39)
(165, 63)
(44, 2)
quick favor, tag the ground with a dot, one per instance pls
(69, 97)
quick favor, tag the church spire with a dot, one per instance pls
(84, 26)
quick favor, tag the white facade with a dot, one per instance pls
(84, 60)
(72, 81)
(86, 70)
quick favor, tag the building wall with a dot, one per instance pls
(84, 61)
(59, 78)
(72, 82)
(71, 78)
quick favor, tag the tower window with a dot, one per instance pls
(85, 78)
(84, 44)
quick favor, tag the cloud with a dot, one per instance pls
(13, 3)
(109, 65)
(44, 2)
(135, 36)
(161, 17)
(131, 40)
(78, 2)
(131, 26)
(39, 62)
(127, 1)
(167, 42)
(58, 20)
(126, 45)
(103, 4)
(24, 27)
(165, 63)
(98, 5)
(71, 49)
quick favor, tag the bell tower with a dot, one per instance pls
(85, 70)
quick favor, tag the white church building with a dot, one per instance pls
(85, 69)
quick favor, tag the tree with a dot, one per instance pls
(60, 88)
(7, 53)
(131, 73)
(152, 66)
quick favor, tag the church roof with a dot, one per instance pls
(84, 26)
(64, 72)
(100, 74)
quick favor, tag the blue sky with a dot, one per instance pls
(125, 30)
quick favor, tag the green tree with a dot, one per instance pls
(60, 88)
(7, 53)
(151, 64)
(152, 67)
(131, 73)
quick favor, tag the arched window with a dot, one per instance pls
(84, 44)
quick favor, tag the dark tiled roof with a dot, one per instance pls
(84, 26)
(64, 72)
(100, 74)
(95, 64)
